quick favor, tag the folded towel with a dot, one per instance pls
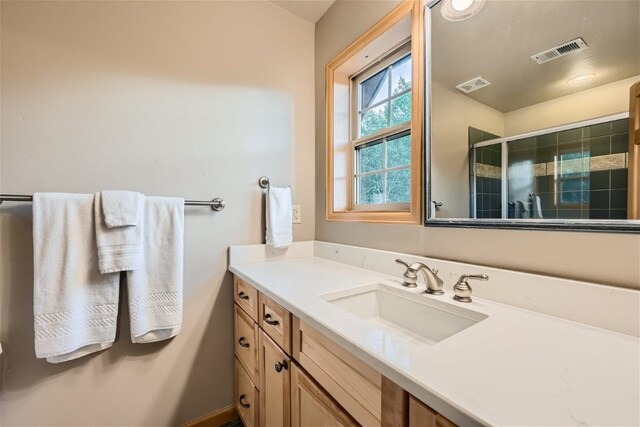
(119, 249)
(121, 208)
(75, 307)
(279, 217)
(155, 291)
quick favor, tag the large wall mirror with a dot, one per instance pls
(529, 114)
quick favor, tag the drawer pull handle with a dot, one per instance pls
(243, 342)
(282, 365)
(267, 318)
(242, 295)
(243, 404)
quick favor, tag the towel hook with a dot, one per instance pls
(263, 182)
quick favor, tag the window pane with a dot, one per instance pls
(371, 121)
(370, 189)
(375, 89)
(401, 75)
(399, 186)
(370, 157)
(401, 109)
(399, 151)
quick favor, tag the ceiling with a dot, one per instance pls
(311, 10)
(498, 42)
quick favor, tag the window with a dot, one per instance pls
(375, 109)
(381, 127)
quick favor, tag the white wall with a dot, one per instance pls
(451, 116)
(588, 104)
(597, 257)
(194, 99)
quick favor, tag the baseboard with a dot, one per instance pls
(215, 419)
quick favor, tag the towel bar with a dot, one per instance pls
(216, 204)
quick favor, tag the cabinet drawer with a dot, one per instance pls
(246, 342)
(247, 397)
(312, 406)
(353, 384)
(275, 393)
(276, 322)
(246, 296)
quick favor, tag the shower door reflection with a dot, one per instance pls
(571, 173)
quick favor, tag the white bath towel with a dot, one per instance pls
(155, 291)
(75, 307)
(537, 206)
(119, 249)
(120, 208)
(279, 217)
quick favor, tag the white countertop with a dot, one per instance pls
(515, 368)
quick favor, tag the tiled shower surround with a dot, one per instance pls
(578, 173)
(488, 181)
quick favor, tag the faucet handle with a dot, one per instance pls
(462, 289)
(406, 264)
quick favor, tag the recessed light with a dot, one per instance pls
(581, 79)
(459, 10)
(461, 5)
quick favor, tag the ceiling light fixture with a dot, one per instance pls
(581, 79)
(459, 10)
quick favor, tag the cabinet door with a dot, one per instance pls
(275, 384)
(420, 415)
(312, 406)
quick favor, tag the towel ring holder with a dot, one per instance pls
(263, 182)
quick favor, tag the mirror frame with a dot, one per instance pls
(607, 226)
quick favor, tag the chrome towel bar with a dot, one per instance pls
(216, 204)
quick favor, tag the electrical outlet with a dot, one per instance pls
(297, 214)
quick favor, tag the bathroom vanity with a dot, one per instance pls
(321, 341)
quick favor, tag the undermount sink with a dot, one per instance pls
(411, 315)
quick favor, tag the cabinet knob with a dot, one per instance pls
(243, 342)
(243, 404)
(267, 318)
(282, 365)
(242, 295)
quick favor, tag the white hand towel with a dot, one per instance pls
(75, 307)
(279, 217)
(155, 291)
(537, 208)
(119, 249)
(120, 208)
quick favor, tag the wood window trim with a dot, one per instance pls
(414, 8)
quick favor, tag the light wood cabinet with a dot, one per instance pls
(420, 415)
(352, 383)
(246, 342)
(247, 397)
(274, 367)
(275, 321)
(312, 406)
(246, 296)
(289, 374)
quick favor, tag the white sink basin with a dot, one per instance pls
(411, 315)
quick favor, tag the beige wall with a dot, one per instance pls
(451, 116)
(599, 257)
(195, 99)
(588, 104)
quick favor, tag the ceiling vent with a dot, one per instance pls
(558, 51)
(473, 84)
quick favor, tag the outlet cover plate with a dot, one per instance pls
(297, 214)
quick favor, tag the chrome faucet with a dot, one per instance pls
(434, 283)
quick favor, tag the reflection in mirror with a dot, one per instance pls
(530, 109)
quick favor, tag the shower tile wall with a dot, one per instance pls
(488, 182)
(577, 173)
